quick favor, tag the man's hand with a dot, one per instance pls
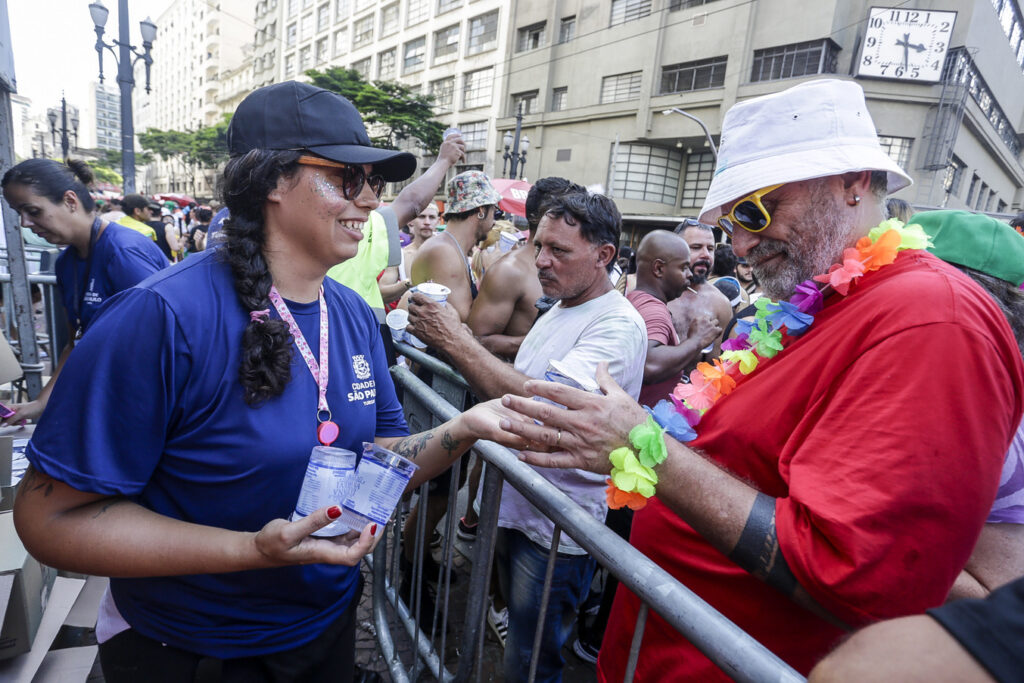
(23, 412)
(705, 328)
(434, 323)
(453, 149)
(581, 435)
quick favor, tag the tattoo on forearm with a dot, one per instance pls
(758, 550)
(450, 444)
(34, 481)
(107, 506)
(411, 446)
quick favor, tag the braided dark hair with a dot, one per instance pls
(265, 369)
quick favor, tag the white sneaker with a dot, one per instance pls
(498, 621)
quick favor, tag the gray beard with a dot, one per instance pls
(817, 242)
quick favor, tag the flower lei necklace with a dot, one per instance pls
(633, 478)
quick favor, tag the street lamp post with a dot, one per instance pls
(125, 58)
(517, 157)
(65, 143)
(707, 133)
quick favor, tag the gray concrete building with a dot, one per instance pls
(944, 81)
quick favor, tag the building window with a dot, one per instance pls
(474, 134)
(446, 44)
(289, 65)
(674, 5)
(954, 175)
(362, 67)
(364, 4)
(528, 100)
(323, 17)
(306, 27)
(699, 168)
(982, 193)
(530, 37)
(629, 10)
(447, 5)
(476, 89)
(417, 11)
(790, 61)
(341, 41)
(342, 11)
(291, 34)
(621, 87)
(304, 58)
(305, 4)
(1001, 207)
(413, 54)
(389, 20)
(362, 32)
(442, 89)
(646, 172)
(321, 51)
(971, 188)
(386, 68)
(706, 73)
(991, 200)
(483, 33)
(293, 7)
(567, 29)
(1012, 22)
(558, 98)
(898, 149)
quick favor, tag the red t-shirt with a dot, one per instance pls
(881, 432)
(659, 329)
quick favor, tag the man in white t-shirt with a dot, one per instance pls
(592, 323)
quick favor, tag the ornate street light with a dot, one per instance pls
(707, 133)
(517, 156)
(125, 57)
(51, 114)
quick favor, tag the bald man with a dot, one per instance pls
(663, 273)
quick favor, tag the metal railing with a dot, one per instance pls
(724, 643)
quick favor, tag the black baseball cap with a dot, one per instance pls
(299, 116)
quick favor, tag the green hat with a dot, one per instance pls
(976, 241)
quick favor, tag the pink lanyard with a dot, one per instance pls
(327, 431)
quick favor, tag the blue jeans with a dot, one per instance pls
(521, 567)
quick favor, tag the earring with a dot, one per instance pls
(855, 202)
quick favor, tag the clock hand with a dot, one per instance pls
(919, 47)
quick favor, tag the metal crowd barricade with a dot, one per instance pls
(732, 649)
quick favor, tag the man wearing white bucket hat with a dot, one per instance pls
(844, 453)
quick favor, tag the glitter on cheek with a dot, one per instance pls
(326, 190)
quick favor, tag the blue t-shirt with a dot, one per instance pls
(121, 258)
(149, 407)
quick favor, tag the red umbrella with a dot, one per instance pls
(513, 195)
(179, 199)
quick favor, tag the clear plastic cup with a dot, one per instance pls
(448, 132)
(397, 321)
(438, 293)
(329, 480)
(381, 479)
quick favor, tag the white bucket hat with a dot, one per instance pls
(815, 129)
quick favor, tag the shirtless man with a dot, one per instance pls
(505, 309)
(469, 213)
(701, 299)
(396, 279)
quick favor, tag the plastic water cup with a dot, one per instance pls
(438, 293)
(381, 477)
(329, 480)
(414, 341)
(448, 132)
(506, 241)
(560, 372)
(397, 321)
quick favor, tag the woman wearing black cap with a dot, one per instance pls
(199, 417)
(101, 259)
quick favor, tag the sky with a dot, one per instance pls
(53, 43)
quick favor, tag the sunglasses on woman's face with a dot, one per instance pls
(353, 176)
(748, 213)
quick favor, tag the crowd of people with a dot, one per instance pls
(804, 403)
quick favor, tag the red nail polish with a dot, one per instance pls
(334, 512)
(373, 530)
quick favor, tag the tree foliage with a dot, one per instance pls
(194, 150)
(391, 111)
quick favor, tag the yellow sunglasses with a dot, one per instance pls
(748, 213)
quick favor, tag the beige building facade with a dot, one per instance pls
(595, 76)
(455, 50)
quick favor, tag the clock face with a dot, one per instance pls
(906, 44)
